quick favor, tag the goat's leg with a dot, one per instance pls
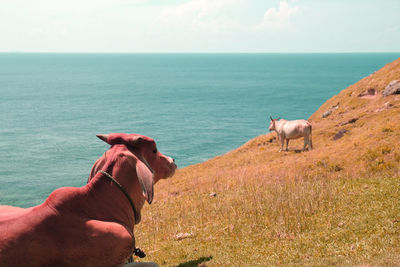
(282, 143)
(305, 144)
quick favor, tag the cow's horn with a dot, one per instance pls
(103, 137)
(271, 118)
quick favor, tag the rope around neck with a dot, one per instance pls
(138, 252)
(123, 191)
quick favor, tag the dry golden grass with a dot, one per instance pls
(338, 204)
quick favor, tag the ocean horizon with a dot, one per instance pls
(196, 106)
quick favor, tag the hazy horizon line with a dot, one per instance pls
(85, 52)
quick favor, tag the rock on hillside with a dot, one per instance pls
(392, 88)
(368, 92)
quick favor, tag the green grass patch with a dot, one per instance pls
(312, 221)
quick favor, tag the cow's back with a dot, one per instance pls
(44, 236)
(8, 212)
(20, 238)
(296, 129)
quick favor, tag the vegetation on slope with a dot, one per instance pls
(254, 206)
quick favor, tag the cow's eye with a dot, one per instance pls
(155, 151)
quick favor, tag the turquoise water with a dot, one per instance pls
(196, 106)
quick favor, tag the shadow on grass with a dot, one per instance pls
(298, 150)
(194, 263)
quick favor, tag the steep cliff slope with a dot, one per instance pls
(254, 206)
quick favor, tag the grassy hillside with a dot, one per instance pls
(338, 204)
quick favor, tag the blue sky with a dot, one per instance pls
(199, 26)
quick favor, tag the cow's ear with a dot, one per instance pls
(103, 137)
(144, 174)
(146, 180)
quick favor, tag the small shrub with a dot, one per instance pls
(380, 165)
(376, 160)
(397, 157)
(387, 130)
(321, 163)
(371, 155)
(335, 168)
(332, 167)
(386, 150)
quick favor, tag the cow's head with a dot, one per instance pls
(272, 124)
(150, 164)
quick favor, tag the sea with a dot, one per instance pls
(196, 106)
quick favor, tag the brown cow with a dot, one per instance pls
(91, 225)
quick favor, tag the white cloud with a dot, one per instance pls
(58, 31)
(275, 19)
(198, 15)
(391, 30)
(196, 26)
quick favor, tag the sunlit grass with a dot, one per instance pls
(316, 220)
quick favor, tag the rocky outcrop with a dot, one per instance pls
(370, 93)
(386, 106)
(329, 111)
(340, 134)
(353, 120)
(392, 88)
